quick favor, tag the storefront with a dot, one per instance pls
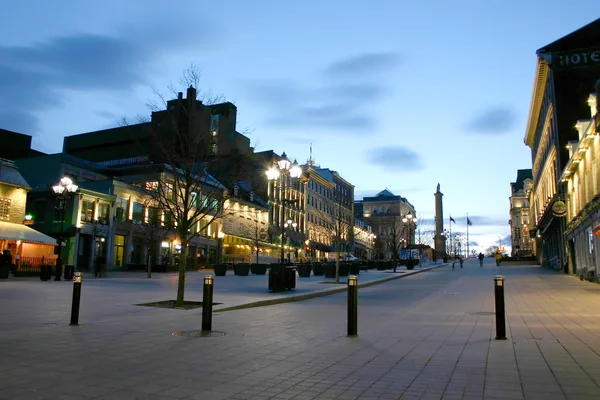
(28, 247)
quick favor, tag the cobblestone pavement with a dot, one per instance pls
(426, 336)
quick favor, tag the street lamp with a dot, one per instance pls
(372, 243)
(63, 190)
(284, 167)
(458, 244)
(410, 219)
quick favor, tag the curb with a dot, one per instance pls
(308, 296)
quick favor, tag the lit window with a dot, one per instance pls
(5, 208)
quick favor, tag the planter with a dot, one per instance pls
(355, 269)
(241, 269)
(381, 266)
(220, 269)
(329, 270)
(258, 269)
(410, 264)
(304, 270)
(344, 269)
(317, 269)
(4, 269)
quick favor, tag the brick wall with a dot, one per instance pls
(18, 199)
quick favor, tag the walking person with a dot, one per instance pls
(480, 257)
(460, 260)
(498, 257)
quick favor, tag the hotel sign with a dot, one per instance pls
(576, 58)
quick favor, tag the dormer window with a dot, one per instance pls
(236, 190)
(251, 196)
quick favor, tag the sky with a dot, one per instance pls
(391, 94)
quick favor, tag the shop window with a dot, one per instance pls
(87, 211)
(119, 250)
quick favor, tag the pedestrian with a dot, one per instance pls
(460, 260)
(498, 257)
(480, 256)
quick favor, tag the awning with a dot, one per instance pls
(24, 233)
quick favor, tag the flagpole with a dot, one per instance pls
(450, 223)
(467, 235)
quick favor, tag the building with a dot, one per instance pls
(16, 145)
(28, 247)
(246, 228)
(566, 72)
(364, 239)
(205, 130)
(384, 213)
(521, 242)
(112, 219)
(581, 183)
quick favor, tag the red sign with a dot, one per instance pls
(28, 222)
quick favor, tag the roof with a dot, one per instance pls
(9, 231)
(586, 36)
(9, 173)
(385, 192)
(244, 190)
(522, 176)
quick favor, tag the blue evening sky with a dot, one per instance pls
(393, 94)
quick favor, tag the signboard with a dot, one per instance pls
(559, 209)
(28, 222)
(576, 58)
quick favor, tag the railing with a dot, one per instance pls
(34, 263)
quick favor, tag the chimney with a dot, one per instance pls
(180, 96)
(191, 97)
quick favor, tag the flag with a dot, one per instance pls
(452, 220)
(469, 222)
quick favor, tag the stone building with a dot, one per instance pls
(581, 182)
(566, 72)
(521, 242)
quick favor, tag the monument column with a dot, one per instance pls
(439, 239)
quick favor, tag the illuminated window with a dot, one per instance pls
(5, 208)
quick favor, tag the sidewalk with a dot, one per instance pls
(426, 336)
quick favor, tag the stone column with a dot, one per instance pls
(440, 242)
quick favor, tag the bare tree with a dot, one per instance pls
(176, 179)
(424, 235)
(341, 223)
(153, 230)
(396, 237)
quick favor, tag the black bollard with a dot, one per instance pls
(207, 301)
(500, 312)
(77, 278)
(352, 306)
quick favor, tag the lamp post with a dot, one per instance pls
(372, 243)
(63, 190)
(410, 219)
(283, 169)
(458, 244)
(448, 239)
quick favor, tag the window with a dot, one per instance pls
(121, 209)
(194, 199)
(152, 186)
(87, 211)
(5, 208)
(153, 216)
(137, 214)
(103, 209)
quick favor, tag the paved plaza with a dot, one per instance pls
(425, 336)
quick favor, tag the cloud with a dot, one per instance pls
(328, 104)
(398, 157)
(493, 121)
(361, 64)
(477, 221)
(36, 76)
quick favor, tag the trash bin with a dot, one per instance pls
(289, 277)
(45, 272)
(69, 270)
(276, 278)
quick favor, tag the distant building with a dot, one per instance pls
(521, 242)
(566, 73)
(384, 213)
